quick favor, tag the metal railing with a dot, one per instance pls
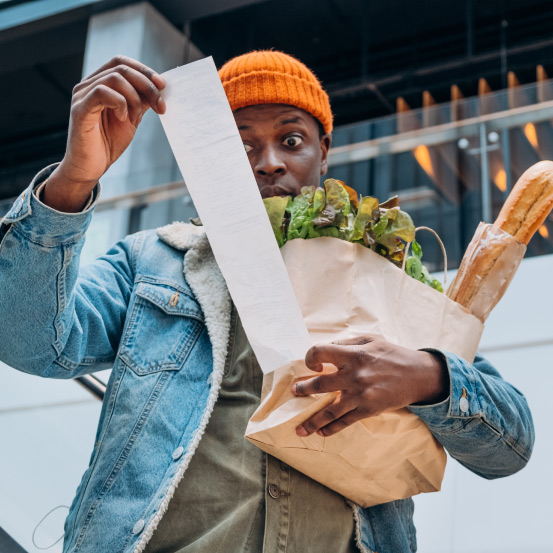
(93, 385)
(440, 133)
(396, 141)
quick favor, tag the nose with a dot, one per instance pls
(269, 163)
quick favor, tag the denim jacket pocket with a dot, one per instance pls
(163, 325)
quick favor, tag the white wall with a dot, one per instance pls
(473, 515)
(47, 430)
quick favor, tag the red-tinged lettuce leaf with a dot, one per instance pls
(326, 217)
(365, 215)
(353, 199)
(390, 203)
(338, 198)
(400, 225)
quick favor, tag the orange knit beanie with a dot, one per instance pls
(270, 77)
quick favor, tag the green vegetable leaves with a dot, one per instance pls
(414, 268)
(276, 208)
(300, 216)
(335, 211)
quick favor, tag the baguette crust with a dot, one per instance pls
(487, 268)
(529, 203)
(524, 211)
(473, 270)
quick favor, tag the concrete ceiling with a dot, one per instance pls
(364, 52)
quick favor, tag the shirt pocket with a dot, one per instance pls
(163, 326)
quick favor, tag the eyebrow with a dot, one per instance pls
(282, 123)
(288, 121)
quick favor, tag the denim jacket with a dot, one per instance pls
(162, 324)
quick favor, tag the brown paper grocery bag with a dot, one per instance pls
(346, 290)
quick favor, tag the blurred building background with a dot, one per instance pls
(444, 104)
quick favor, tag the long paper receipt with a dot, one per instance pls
(211, 156)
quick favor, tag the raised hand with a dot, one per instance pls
(106, 109)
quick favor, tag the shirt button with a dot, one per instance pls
(273, 490)
(464, 404)
(178, 453)
(138, 527)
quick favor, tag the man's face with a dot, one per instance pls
(284, 147)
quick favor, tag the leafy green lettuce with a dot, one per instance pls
(336, 212)
(414, 268)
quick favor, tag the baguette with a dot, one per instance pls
(529, 203)
(481, 257)
(490, 262)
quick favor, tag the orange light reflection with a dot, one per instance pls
(531, 134)
(500, 180)
(422, 155)
(543, 231)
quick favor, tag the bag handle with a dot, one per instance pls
(441, 246)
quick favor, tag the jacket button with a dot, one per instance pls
(138, 527)
(464, 402)
(174, 299)
(274, 491)
(178, 453)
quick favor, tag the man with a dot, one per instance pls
(160, 477)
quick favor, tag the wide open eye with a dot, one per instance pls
(292, 141)
(248, 148)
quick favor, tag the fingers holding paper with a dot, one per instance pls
(106, 109)
(373, 376)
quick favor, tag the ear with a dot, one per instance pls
(326, 140)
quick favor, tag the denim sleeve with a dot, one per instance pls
(57, 321)
(485, 423)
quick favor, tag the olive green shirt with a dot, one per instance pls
(234, 498)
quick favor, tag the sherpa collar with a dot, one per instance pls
(184, 236)
(209, 287)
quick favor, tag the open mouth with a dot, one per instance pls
(271, 190)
